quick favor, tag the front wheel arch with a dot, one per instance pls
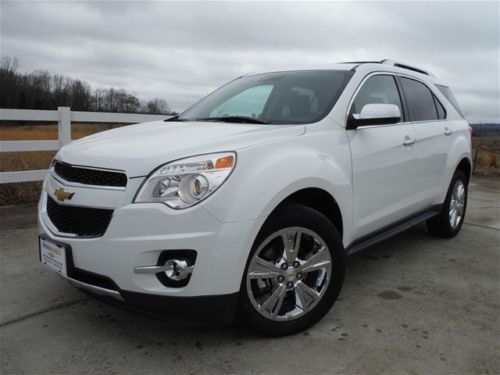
(319, 200)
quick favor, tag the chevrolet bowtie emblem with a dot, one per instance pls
(62, 194)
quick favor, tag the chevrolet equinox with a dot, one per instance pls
(247, 203)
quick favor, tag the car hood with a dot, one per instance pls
(138, 149)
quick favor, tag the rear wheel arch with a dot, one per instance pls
(466, 167)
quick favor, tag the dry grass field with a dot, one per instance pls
(486, 160)
(486, 152)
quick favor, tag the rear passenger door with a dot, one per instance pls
(433, 140)
(383, 160)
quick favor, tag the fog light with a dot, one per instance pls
(174, 268)
(177, 269)
(170, 271)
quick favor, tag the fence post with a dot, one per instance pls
(64, 125)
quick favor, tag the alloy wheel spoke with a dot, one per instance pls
(318, 261)
(461, 208)
(291, 242)
(306, 296)
(453, 217)
(460, 191)
(275, 299)
(263, 269)
(281, 298)
(461, 200)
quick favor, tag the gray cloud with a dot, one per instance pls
(180, 51)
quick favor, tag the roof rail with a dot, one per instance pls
(406, 66)
(358, 62)
(389, 62)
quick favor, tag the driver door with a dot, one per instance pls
(383, 161)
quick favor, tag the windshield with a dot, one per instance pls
(295, 97)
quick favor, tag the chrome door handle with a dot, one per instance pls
(447, 131)
(408, 141)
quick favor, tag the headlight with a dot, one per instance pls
(185, 182)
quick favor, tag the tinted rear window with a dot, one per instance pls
(446, 91)
(420, 100)
(440, 109)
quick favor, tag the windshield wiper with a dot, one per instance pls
(174, 118)
(237, 119)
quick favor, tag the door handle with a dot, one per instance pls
(408, 141)
(447, 131)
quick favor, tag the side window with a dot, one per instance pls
(440, 109)
(377, 89)
(420, 100)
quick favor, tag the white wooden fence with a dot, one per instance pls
(64, 117)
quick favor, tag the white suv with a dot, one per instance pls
(247, 203)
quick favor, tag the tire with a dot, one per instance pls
(316, 272)
(445, 224)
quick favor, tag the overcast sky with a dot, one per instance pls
(182, 51)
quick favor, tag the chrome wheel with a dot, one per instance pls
(457, 204)
(289, 273)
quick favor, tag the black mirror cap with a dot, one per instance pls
(353, 123)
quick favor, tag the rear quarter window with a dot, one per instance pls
(446, 91)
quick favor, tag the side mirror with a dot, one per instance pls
(375, 114)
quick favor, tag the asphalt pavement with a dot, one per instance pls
(414, 304)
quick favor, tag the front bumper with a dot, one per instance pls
(136, 236)
(201, 310)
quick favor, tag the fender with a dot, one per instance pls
(266, 176)
(458, 151)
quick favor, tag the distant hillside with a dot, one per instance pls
(483, 128)
(487, 126)
(43, 90)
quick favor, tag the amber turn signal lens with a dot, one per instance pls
(225, 162)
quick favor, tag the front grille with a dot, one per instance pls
(88, 176)
(81, 221)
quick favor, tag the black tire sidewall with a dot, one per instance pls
(441, 225)
(293, 215)
(459, 175)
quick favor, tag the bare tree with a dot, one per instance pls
(41, 90)
(156, 105)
